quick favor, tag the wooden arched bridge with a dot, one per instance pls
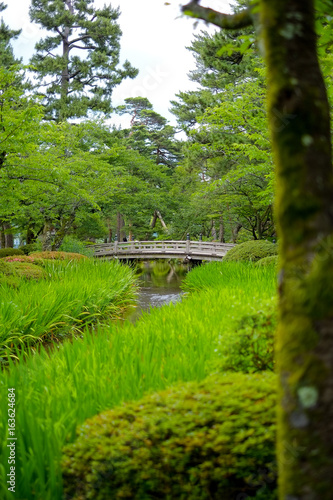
(186, 250)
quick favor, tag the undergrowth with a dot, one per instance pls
(56, 391)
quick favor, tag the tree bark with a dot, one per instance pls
(8, 236)
(300, 129)
(221, 230)
(120, 224)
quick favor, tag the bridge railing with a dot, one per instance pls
(168, 246)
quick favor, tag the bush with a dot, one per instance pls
(209, 440)
(252, 250)
(24, 258)
(8, 275)
(29, 271)
(244, 235)
(48, 255)
(267, 261)
(4, 252)
(31, 247)
(6, 268)
(73, 245)
(250, 346)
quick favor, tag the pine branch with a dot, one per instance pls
(227, 21)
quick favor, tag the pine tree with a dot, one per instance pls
(150, 133)
(6, 36)
(78, 63)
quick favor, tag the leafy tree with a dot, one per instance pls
(140, 188)
(76, 84)
(299, 122)
(227, 143)
(19, 124)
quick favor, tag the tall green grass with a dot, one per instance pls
(113, 364)
(76, 293)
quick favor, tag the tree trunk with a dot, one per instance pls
(213, 229)
(120, 224)
(30, 238)
(221, 230)
(47, 237)
(8, 236)
(300, 129)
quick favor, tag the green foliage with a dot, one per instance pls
(250, 347)
(29, 271)
(5, 252)
(6, 37)
(77, 84)
(30, 247)
(243, 235)
(64, 255)
(230, 276)
(252, 251)
(8, 274)
(73, 245)
(6, 268)
(24, 258)
(209, 440)
(267, 261)
(76, 293)
(150, 134)
(116, 363)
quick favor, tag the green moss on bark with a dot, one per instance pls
(300, 127)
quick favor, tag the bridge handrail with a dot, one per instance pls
(173, 245)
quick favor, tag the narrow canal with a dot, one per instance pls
(159, 284)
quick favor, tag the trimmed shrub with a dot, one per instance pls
(24, 258)
(6, 268)
(4, 252)
(8, 274)
(29, 271)
(31, 247)
(252, 250)
(196, 441)
(249, 347)
(49, 255)
(267, 261)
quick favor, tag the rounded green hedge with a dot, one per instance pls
(4, 252)
(29, 271)
(8, 274)
(249, 348)
(196, 441)
(252, 250)
(267, 261)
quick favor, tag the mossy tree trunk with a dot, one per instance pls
(300, 127)
(300, 130)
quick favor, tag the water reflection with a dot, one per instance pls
(159, 284)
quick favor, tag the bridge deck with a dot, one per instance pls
(196, 250)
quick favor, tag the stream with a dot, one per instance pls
(159, 284)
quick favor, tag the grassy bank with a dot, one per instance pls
(114, 364)
(73, 294)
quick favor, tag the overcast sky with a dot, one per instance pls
(154, 39)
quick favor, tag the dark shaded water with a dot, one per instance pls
(159, 284)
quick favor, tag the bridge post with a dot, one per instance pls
(188, 243)
(115, 243)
